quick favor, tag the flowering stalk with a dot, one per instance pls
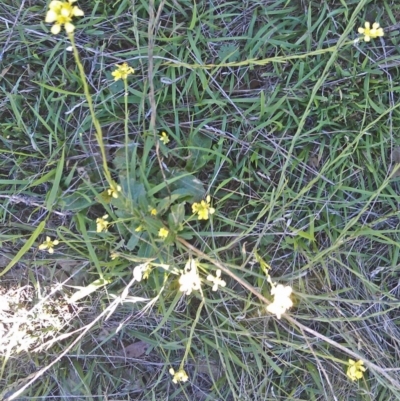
(126, 129)
(99, 132)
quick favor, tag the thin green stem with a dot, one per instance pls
(98, 131)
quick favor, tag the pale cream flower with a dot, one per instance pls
(216, 280)
(164, 137)
(371, 33)
(163, 233)
(138, 272)
(114, 190)
(102, 224)
(189, 280)
(61, 13)
(49, 245)
(282, 300)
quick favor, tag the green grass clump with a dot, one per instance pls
(216, 219)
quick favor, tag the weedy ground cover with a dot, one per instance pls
(199, 200)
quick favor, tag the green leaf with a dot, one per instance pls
(25, 248)
(77, 201)
(133, 241)
(56, 184)
(198, 146)
(228, 53)
(176, 217)
(136, 191)
(187, 185)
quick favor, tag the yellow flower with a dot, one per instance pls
(138, 229)
(371, 33)
(153, 212)
(113, 190)
(164, 137)
(189, 280)
(355, 370)
(216, 280)
(163, 233)
(122, 72)
(102, 224)
(61, 13)
(179, 376)
(282, 300)
(49, 244)
(203, 209)
(113, 256)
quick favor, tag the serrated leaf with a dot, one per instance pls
(228, 53)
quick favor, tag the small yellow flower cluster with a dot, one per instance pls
(153, 211)
(122, 72)
(203, 209)
(164, 137)
(49, 244)
(163, 233)
(355, 370)
(216, 280)
(113, 190)
(102, 224)
(61, 13)
(371, 33)
(189, 280)
(179, 376)
(282, 300)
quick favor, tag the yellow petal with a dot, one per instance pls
(367, 25)
(51, 16)
(56, 242)
(77, 12)
(375, 25)
(361, 30)
(42, 247)
(367, 38)
(54, 5)
(69, 28)
(55, 29)
(51, 250)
